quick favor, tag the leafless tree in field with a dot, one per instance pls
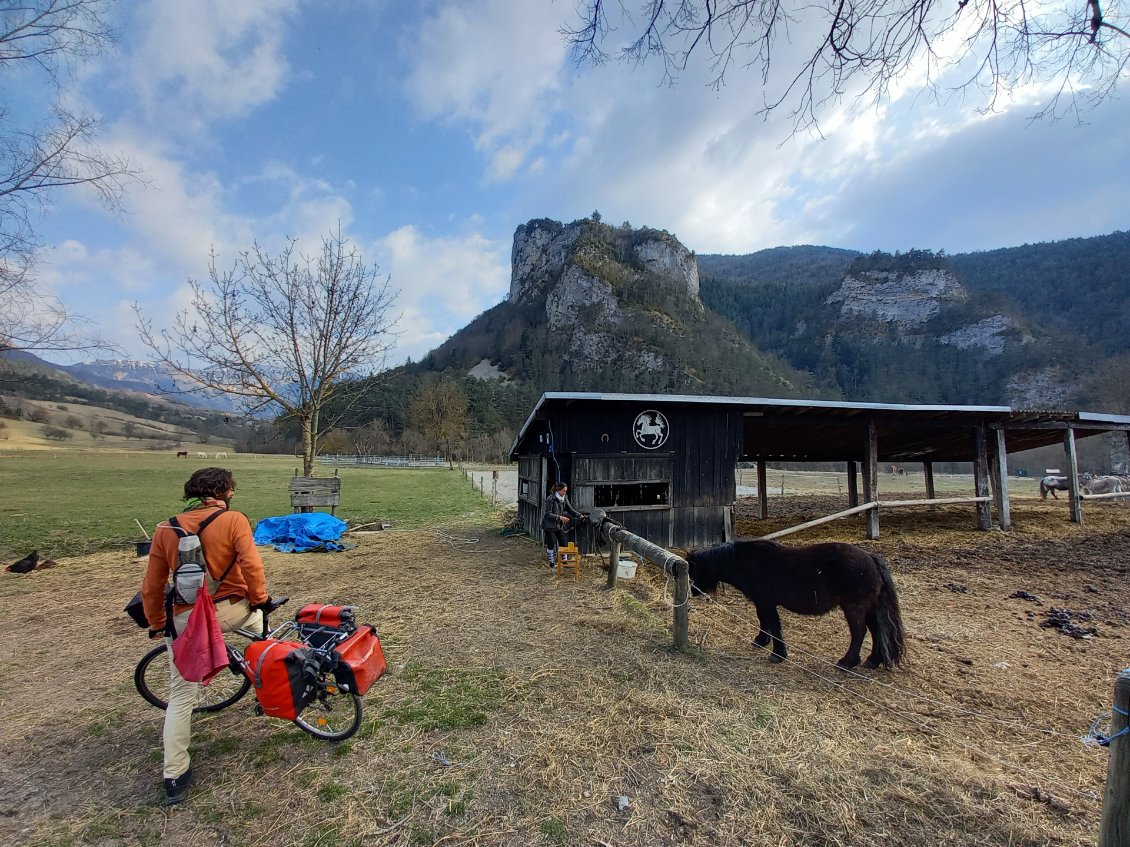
(439, 412)
(860, 48)
(286, 332)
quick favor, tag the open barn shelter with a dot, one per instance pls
(663, 466)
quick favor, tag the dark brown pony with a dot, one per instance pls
(810, 580)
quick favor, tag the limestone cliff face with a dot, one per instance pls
(988, 334)
(545, 250)
(590, 276)
(906, 299)
(538, 256)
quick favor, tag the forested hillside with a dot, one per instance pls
(1066, 306)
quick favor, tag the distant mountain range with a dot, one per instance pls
(124, 375)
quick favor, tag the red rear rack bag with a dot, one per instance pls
(360, 660)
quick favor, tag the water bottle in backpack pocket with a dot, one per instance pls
(191, 570)
(191, 573)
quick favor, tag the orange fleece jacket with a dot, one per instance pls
(226, 540)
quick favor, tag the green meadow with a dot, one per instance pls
(77, 503)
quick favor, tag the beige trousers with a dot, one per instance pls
(183, 694)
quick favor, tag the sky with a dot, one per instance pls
(431, 130)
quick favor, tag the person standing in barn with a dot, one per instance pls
(556, 515)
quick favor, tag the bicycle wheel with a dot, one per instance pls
(334, 714)
(152, 681)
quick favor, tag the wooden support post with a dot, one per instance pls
(762, 491)
(1114, 831)
(853, 483)
(613, 563)
(871, 478)
(1073, 492)
(981, 477)
(1000, 479)
(682, 605)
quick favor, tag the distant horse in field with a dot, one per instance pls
(810, 580)
(182, 454)
(1052, 484)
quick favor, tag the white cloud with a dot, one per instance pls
(494, 66)
(196, 62)
(443, 283)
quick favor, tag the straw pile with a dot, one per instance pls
(524, 710)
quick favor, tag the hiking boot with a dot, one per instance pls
(176, 790)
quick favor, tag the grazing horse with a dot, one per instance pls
(182, 454)
(1052, 484)
(810, 580)
(1103, 485)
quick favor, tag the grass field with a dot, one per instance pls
(86, 502)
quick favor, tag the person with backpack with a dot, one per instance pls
(233, 575)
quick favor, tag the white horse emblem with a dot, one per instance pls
(650, 429)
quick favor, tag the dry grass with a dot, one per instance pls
(519, 708)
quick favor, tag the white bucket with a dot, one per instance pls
(626, 569)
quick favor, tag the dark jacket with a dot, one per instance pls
(553, 509)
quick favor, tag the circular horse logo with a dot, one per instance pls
(650, 429)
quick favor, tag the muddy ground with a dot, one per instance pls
(522, 709)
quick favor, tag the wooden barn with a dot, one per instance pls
(663, 466)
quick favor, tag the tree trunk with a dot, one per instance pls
(308, 425)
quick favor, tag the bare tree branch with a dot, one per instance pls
(868, 45)
(282, 331)
(38, 159)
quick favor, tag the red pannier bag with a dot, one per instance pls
(338, 617)
(359, 660)
(282, 673)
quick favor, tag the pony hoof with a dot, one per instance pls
(846, 666)
(872, 663)
(776, 658)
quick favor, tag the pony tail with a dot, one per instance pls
(889, 618)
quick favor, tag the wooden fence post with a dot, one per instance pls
(1115, 828)
(682, 605)
(613, 563)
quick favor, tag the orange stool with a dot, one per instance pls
(569, 558)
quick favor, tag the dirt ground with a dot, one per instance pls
(525, 710)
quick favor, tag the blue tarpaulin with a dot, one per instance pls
(301, 533)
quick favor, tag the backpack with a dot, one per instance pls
(191, 572)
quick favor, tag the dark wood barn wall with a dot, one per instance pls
(594, 443)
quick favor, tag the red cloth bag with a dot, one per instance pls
(199, 652)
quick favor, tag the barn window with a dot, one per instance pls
(632, 494)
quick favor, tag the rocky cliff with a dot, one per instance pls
(549, 255)
(595, 283)
(597, 307)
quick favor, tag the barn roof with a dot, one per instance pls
(828, 430)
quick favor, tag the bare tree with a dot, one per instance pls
(861, 48)
(439, 412)
(39, 157)
(284, 332)
(372, 439)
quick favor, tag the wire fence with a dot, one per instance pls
(386, 461)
